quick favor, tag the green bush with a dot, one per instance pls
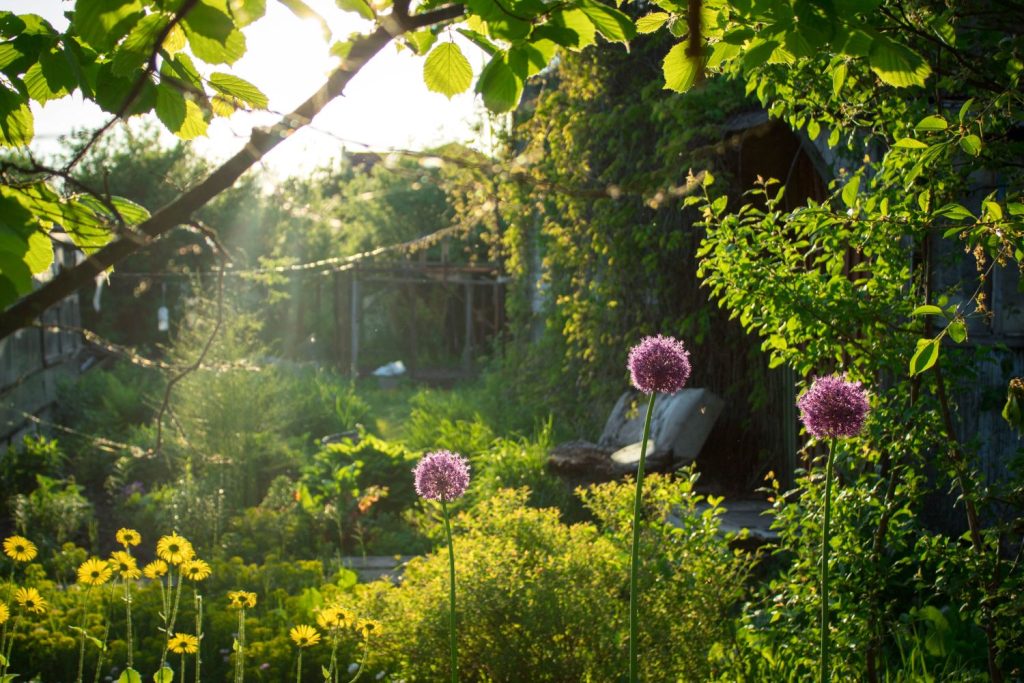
(539, 596)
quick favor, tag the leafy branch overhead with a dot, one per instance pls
(173, 59)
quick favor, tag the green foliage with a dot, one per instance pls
(537, 595)
(56, 510)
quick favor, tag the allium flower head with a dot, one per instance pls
(94, 572)
(20, 549)
(659, 364)
(442, 475)
(834, 407)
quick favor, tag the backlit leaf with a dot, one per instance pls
(651, 23)
(239, 88)
(679, 69)
(896, 64)
(925, 356)
(447, 71)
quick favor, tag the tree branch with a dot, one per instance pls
(179, 211)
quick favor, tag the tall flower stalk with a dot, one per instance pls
(303, 636)
(241, 600)
(444, 476)
(125, 565)
(832, 408)
(656, 365)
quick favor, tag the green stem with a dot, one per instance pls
(182, 667)
(173, 615)
(634, 562)
(826, 537)
(362, 662)
(298, 669)
(128, 619)
(451, 600)
(197, 600)
(240, 657)
(81, 637)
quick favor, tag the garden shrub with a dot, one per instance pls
(540, 596)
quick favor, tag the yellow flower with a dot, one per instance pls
(94, 572)
(127, 537)
(183, 644)
(242, 599)
(174, 549)
(304, 636)
(30, 600)
(124, 564)
(155, 569)
(4, 613)
(195, 570)
(333, 618)
(20, 549)
(368, 627)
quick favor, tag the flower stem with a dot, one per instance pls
(197, 600)
(634, 562)
(826, 533)
(451, 600)
(362, 662)
(240, 655)
(128, 619)
(298, 669)
(173, 615)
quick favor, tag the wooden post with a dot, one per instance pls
(467, 349)
(356, 310)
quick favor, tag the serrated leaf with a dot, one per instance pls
(910, 143)
(971, 144)
(39, 257)
(578, 31)
(679, 69)
(50, 78)
(16, 122)
(614, 25)
(421, 41)
(931, 123)
(181, 115)
(247, 11)
(896, 64)
(925, 356)
(499, 86)
(212, 35)
(104, 22)
(651, 22)
(447, 71)
(957, 331)
(360, 7)
(175, 40)
(927, 309)
(238, 88)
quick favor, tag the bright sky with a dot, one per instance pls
(385, 106)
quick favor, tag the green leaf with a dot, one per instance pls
(16, 123)
(325, 672)
(910, 143)
(955, 211)
(212, 35)
(896, 64)
(850, 190)
(838, 78)
(247, 11)
(238, 88)
(578, 31)
(529, 59)
(957, 331)
(447, 71)
(964, 109)
(927, 309)
(759, 52)
(50, 78)
(971, 144)
(499, 86)
(129, 676)
(614, 25)
(679, 69)
(931, 123)
(721, 53)
(813, 130)
(360, 7)
(164, 675)
(421, 41)
(181, 116)
(652, 22)
(925, 356)
(102, 23)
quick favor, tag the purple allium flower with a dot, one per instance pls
(834, 407)
(442, 475)
(659, 364)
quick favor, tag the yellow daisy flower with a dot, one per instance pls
(30, 600)
(183, 644)
(124, 564)
(174, 549)
(334, 617)
(20, 549)
(127, 537)
(155, 569)
(4, 613)
(94, 572)
(304, 636)
(195, 570)
(368, 627)
(242, 599)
